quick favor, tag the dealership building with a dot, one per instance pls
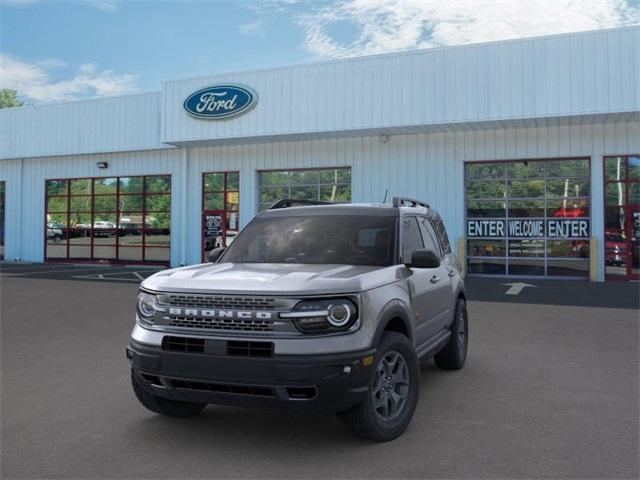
(528, 148)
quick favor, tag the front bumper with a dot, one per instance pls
(313, 383)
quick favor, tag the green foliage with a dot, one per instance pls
(8, 98)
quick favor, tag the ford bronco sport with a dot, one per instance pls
(314, 307)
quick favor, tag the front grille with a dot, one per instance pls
(250, 349)
(222, 302)
(253, 390)
(183, 344)
(228, 324)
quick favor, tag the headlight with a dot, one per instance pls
(147, 306)
(323, 316)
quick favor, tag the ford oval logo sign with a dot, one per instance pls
(220, 101)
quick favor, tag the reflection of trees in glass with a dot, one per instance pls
(485, 171)
(155, 203)
(158, 184)
(332, 185)
(615, 168)
(526, 188)
(105, 185)
(485, 189)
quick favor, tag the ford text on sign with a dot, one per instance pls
(220, 102)
(525, 228)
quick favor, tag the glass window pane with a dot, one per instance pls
(104, 252)
(485, 171)
(56, 187)
(130, 221)
(486, 248)
(214, 201)
(486, 266)
(634, 194)
(80, 186)
(104, 220)
(485, 208)
(57, 250)
(232, 200)
(105, 186)
(80, 252)
(568, 268)
(568, 188)
(568, 168)
(233, 181)
(80, 236)
(80, 220)
(614, 220)
(526, 208)
(81, 204)
(157, 237)
(232, 221)
(213, 182)
(634, 168)
(570, 208)
(306, 177)
(130, 203)
(338, 193)
(158, 220)
(130, 238)
(526, 248)
(102, 236)
(157, 203)
(526, 169)
(274, 178)
(615, 193)
(271, 195)
(519, 266)
(304, 193)
(57, 204)
(56, 234)
(526, 188)
(488, 189)
(157, 254)
(131, 185)
(105, 203)
(57, 220)
(568, 248)
(161, 184)
(130, 253)
(615, 168)
(335, 175)
(411, 238)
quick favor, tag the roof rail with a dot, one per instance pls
(292, 202)
(401, 201)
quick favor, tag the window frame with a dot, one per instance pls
(117, 230)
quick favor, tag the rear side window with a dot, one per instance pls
(442, 235)
(411, 238)
(430, 238)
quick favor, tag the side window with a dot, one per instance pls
(430, 239)
(442, 234)
(411, 238)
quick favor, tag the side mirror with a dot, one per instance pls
(214, 255)
(424, 259)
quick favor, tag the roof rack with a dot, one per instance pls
(292, 202)
(402, 201)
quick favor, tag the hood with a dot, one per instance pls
(271, 279)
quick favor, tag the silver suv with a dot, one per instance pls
(314, 307)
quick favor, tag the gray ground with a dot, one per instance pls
(548, 391)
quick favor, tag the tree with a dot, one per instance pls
(8, 98)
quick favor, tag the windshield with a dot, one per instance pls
(318, 239)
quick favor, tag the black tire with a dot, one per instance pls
(364, 420)
(454, 353)
(164, 406)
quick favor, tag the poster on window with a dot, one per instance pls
(212, 231)
(528, 228)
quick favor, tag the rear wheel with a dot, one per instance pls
(454, 353)
(164, 406)
(393, 393)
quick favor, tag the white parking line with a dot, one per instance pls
(137, 274)
(30, 271)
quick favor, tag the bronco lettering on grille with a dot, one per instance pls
(208, 313)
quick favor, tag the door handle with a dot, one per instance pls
(452, 273)
(435, 279)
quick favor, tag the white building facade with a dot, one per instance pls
(529, 149)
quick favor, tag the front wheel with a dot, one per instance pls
(164, 406)
(393, 392)
(454, 353)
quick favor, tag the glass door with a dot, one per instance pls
(622, 217)
(220, 210)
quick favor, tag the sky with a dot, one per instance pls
(55, 50)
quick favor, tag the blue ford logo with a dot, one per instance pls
(220, 101)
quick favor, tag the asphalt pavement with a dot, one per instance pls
(549, 391)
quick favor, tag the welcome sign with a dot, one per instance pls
(220, 102)
(529, 228)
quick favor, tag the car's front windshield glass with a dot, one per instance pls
(316, 239)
